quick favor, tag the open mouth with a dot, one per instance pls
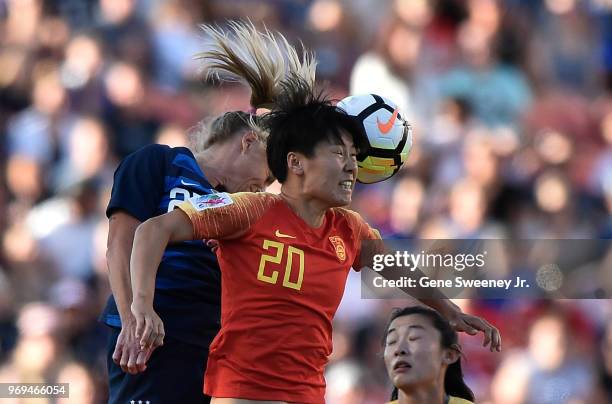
(401, 366)
(346, 185)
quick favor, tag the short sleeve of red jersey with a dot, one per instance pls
(368, 237)
(223, 215)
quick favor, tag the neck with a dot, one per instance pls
(214, 164)
(309, 209)
(433, 394)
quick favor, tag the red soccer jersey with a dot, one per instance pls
(282, 282)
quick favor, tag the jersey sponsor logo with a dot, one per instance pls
(281, 235)
(386, 126)
(189, 184)
(338, 244)
(211, 201)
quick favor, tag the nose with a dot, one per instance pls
(401, 349)
(351, 165)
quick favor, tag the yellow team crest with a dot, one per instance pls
(338, 244)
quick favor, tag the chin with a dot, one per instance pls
(343, 201)
(404, 383)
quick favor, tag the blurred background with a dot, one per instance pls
(510, 100)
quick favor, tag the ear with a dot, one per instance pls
(450, 356)
(294, 163)
(249, 138)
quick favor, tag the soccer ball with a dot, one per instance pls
(389, 136)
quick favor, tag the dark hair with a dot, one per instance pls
(300, 120)
(454, 384)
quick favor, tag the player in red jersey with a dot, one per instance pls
(284, 258)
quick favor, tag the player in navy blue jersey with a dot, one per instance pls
(150, 182)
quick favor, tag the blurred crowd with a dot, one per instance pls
(511, 105)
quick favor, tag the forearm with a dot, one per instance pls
(442, 305)
(150, 242)
(119, 278)
(122, 227)
(431, 297)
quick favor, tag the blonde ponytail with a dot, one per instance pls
(265, 61)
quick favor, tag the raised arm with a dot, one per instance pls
(151, 239)
(372, 245)
(467, 323)
(459, 320)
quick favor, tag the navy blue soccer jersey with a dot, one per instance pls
(151, 182)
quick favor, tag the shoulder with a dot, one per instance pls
(346, 213)
(153, 149)
(179, 150)
(170, 154)
(259, 200)
(162, 155)
(350, 216)
(247, 201)
(357, 225)
(151, 158)
(457, 400)
(227, 216)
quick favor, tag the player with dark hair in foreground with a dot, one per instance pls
(154, 181)
(231, 157)
(284, 258)
(423, 359)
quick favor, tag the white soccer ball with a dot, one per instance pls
(389, 136)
